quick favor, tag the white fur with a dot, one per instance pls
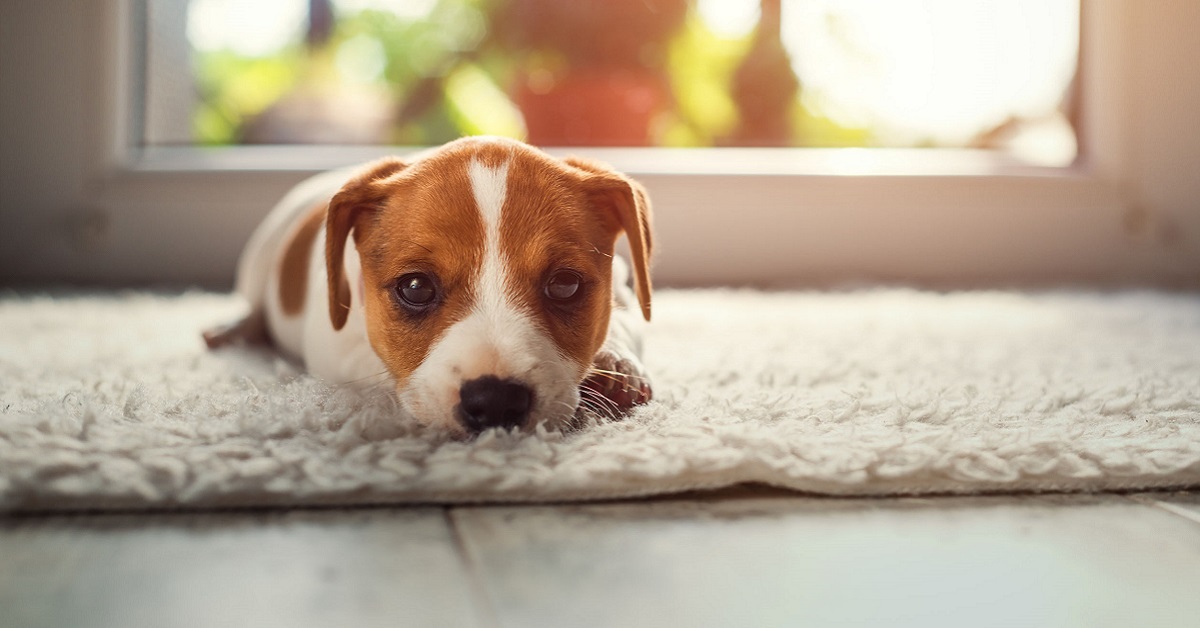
(343, 356)
(496, 338)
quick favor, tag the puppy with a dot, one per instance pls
(478, 277)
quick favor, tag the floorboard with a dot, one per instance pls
(1184, 504)
(746, 557)
(788, 561)
(290, 569)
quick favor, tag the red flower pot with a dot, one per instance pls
(593, 107)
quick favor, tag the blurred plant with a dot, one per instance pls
(233, 88)
(701, 65)
(622, 72)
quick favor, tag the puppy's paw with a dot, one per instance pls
(620, 382)
(250, 330)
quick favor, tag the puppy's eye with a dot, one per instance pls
(563, 285)
(416, 290)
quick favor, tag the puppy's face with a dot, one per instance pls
(487, 271)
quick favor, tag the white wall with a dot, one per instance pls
(1164, 124)
(44, 118)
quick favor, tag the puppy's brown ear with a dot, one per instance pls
(359, 197)
(627, 203)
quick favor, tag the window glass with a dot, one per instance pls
(995, 74)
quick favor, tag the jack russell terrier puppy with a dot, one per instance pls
(480, 277)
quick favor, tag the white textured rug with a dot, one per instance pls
(112, 401)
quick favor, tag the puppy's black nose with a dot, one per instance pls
(489, 401)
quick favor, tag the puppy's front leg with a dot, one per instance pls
(617, 372)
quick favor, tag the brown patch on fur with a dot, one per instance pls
(548, 224)
(293, 268)
(359, 197)
(626, 201)
(428, 223)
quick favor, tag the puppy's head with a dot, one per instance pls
(487, 276)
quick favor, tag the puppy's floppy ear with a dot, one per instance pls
(360, 196)
(627, 203)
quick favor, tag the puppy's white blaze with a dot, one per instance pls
(495, 338)
(490, 186)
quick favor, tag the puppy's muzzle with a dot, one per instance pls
(489, 401)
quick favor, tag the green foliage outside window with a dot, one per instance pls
(456, 71)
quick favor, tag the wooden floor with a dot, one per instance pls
(744, 558)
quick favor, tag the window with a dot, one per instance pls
(95, 187)
(671, 73)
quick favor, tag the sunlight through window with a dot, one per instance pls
(839, 73)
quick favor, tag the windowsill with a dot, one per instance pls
(634, 161)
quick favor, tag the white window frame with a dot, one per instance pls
(93, 206)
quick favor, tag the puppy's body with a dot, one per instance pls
(294, 232)
(479, 278)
